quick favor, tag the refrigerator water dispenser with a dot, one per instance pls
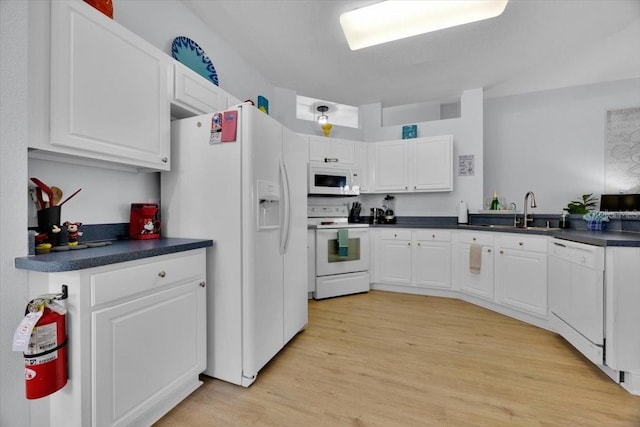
(268, 195)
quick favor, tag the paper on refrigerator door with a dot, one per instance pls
(229, 122)
(216, 129)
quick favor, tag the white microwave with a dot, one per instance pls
(327, 181)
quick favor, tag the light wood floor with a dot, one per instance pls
(386, 359)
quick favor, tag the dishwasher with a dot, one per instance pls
(577, 296)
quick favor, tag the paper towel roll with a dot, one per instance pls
(463, 213)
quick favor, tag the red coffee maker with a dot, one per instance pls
(145, 221)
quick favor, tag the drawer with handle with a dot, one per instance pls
(396, 234)
(141, 277)
(527, 243)
(479, 238)
(433, 235)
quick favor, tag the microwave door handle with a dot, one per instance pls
(286, 224)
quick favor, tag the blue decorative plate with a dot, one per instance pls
(190, 54)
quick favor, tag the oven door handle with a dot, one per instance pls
(286, 209)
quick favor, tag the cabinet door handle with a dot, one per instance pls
(521, 243)
(409, 243)
(433, 236)
(202, 284)
(162, 274)
(418, 243)
(165, 159)
(501, 252)
(474, 239)
(330, 160)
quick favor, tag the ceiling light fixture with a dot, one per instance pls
(397, 19)
(323, 118)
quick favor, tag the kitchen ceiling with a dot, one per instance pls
(533, 45)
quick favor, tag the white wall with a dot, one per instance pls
(106, 194)
(159, 22)
(551, 142)
(13, 209)
(467, 134)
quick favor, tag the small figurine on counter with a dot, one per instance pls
(72, 232)
(45, 241)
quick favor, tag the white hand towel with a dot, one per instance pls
(475, 258)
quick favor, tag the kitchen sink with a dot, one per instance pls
(542, 228)
(511, 227)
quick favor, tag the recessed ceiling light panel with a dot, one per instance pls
(397, 19)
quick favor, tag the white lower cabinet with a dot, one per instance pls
(418, 257)
(142, 349)
(137, 339)
(521, 273)
(476, 282)
(395, 256)
(505, 272)
(432, 258)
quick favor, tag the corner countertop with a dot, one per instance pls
(613, 237)
(117, 251)
(596, 238)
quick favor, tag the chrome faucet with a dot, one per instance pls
(515, 214)
(525, 219)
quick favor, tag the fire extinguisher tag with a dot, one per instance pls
(22, 335)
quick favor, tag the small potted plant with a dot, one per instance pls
(583, 206)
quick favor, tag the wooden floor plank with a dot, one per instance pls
(387, 359)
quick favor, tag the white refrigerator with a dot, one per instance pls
(244, 187)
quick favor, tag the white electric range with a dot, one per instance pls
(335, 270)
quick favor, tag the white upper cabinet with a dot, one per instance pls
(432, 163)
(390, 172)
(332, 151)
(362, 164)
(109, 90)
(193, 94)
(422, 164)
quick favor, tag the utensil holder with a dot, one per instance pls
(47, 218)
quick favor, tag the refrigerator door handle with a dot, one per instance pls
(286, 224)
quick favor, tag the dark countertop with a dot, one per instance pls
(118, 251)
(597, 238)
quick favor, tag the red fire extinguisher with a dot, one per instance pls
(45, 356)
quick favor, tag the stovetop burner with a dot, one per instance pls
(331, 217)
